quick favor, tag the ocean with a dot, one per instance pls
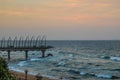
(72, 60)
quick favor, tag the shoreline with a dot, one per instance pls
(21, 76)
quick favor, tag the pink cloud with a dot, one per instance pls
(102, 5)
(11, 12)
(25, 12)
(78, 18)
(73, 3)
(7, 0)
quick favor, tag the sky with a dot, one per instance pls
(61, 19)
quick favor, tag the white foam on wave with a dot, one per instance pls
(61, 63)
(70, 55)
(15, 69)
(51, 77)
(35, 59)
(22, 71)
(115, 58)
(18, 70)
(103, 76)
(31, 52)
(82, 73)
(22, 63)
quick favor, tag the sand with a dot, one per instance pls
(21, 76)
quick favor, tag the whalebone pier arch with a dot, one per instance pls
(24, 44)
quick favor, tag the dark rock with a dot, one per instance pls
(97, 65)
(115, 77)
(117, 69)
(50, 54)
(90, 63)
(74, 71)
(73, 77)
(33, 53)
(105, 57)
(57, 70)
(38, 76)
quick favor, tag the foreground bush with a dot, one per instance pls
(4, 71)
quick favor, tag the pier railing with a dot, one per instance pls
(27, 44)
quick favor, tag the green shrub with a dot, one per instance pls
(4, 71)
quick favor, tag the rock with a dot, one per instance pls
(97, 65)
(39, 77)
(115, 77)
(73, 77)
(116, 69)
(33, 53)
(90, 63)
(57, 70)
(50, 54)
(74, 71)
(105, 57)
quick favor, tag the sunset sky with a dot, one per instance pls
(61, 19)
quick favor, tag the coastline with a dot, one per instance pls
(20, 75)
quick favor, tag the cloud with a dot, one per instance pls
(11, 12)
(78, 18)
(8, 0)
(72, 3)
(69, 10)
(103, 5)
(20, 12)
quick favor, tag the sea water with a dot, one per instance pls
(73, 60)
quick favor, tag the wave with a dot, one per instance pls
(18, 70)
(22, 63)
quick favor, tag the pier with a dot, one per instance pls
(26, 45)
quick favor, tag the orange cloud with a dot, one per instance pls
(102, 5)
(72, 0)
(23, 12)
(12, 12)
(73, 3)
(7, 0)
(78, 18)
(67, 3)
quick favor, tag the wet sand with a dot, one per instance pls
(21, 76)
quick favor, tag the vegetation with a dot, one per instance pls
(4, 71)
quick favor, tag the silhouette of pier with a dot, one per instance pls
(26, 45)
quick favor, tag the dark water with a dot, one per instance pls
(86, 44)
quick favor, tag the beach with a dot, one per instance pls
(21, 76)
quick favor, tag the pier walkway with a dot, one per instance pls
(27, 44)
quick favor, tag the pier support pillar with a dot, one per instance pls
(26, 54)
(43, 53)
(8, 55)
